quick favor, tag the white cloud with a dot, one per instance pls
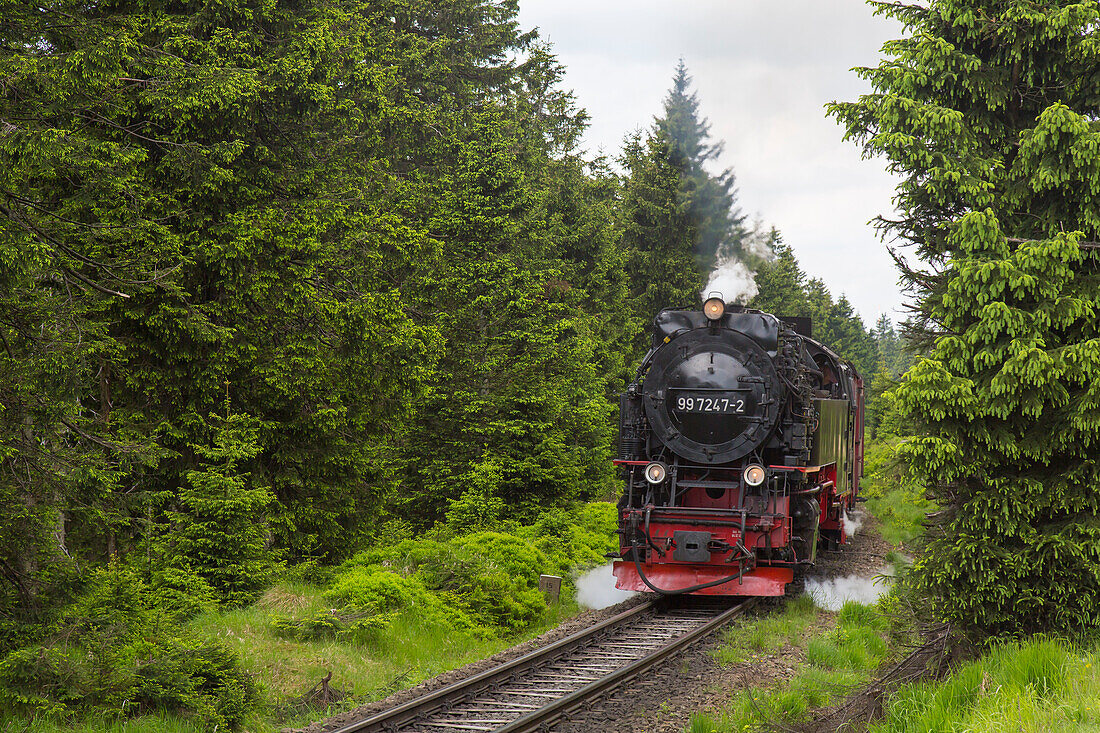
(763, 72)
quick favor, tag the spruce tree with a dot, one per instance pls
(987, 110)
(677, 218)
(709, 199)
(526, 286)
(894, 352)
(658, 237)
(843, 331)
(220, 530)
(781, 283)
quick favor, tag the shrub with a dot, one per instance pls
(181, 592)
(378, 591)
(321, 625)
(482, 581)
(197, 678)
(576, 539)
(114, 648)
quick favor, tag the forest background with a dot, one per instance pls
(286, 286)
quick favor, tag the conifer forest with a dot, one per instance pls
(327, 294)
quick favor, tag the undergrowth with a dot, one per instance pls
(115, 648)
(895, 499)
(836, 662)
(1036, 686)
(139, 651)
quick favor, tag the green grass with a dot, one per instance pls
(767, 634)
(1037, 686)
(857, 643)
(288, 668)
(836, 662)
(892, 497)
(103, 724)
(409, 652)
(900, 514)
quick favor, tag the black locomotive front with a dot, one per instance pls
(741, 446)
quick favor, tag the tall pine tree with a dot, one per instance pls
(678, 219)
(782, 289)
(524, 284)
(710, 199)
(780, 282)
(987, 110)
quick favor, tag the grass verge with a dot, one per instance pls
(1035, 686)
(834, 663)
(410, 651)
(768, 634)
(394, 614)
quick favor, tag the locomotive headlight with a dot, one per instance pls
(656, 472)
(713, 308)
(754, 475)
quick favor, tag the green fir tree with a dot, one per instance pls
(526, 286)
(220, 530)
(894, 356)
(709, 199)
(987, 110)
(678, 219)
(781, 282)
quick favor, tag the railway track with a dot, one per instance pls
(540, 688)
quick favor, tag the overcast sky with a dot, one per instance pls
(763, 70)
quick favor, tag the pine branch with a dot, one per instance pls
(93, 284)
(1082, 245)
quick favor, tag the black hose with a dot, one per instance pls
(689, 589)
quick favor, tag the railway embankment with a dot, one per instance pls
(767, 650)
(763, 648)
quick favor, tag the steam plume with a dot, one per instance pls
(733, 280)
(731, 277)
(832, 593)
(596, 588)
(852, 522)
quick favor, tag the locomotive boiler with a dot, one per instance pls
(741, 445)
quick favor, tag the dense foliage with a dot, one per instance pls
(275, 274)
(987, 110)
(114, 647)
(483, 583)
(309, 283)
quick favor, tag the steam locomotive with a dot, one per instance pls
(741, 445)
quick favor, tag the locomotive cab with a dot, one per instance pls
(739, 452)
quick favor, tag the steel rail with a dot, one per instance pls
(560, 708)
(409, 712)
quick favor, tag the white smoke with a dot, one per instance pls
(733, 281)
(596, 588)
(759, 239)
(731, 278)
(852, 522)
(832, 593)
